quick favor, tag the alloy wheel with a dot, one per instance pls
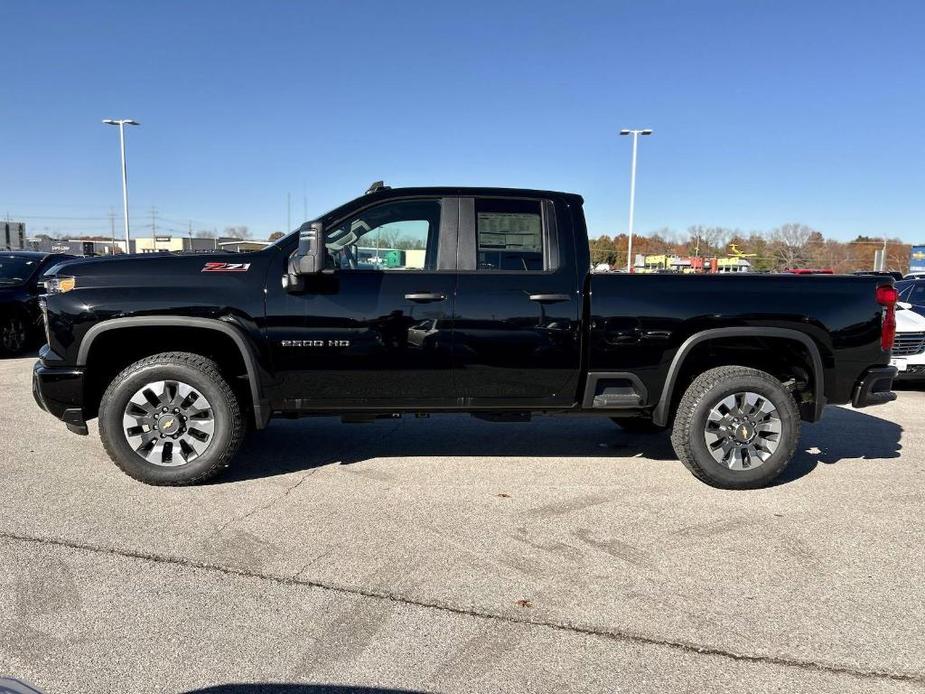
(168, 423)
(743, 430)
(13, 335)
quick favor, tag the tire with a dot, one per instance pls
(756, 454)
(200, 440)
(15, 336)
(638, 425)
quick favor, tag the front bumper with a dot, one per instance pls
(59, 391)
(875, 387)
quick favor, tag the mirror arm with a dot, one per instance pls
(308, 258)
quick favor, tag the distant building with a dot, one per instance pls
(689, 265)
(733, 265)
(241, 245)
(12, 236)
(917, 259)
(174, 244)
(142, 244)
(177, 244)
(47, 244)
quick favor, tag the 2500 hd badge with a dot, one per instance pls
(314, 343)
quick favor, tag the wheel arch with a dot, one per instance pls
(236, 337)
(662, 411)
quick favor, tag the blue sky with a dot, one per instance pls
(764, 112)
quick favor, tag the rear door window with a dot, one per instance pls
(509, 235)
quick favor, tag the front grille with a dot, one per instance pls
(907, 344)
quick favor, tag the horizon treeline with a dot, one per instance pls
(791, 245)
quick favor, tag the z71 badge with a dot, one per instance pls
(226, 267)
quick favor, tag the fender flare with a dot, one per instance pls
(660, 413)
(261, 408)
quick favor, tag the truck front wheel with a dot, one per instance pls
(171, 419)
(736, 427)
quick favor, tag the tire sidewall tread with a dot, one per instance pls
(703, 393)
(199, 372)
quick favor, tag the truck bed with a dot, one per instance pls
(639, 322)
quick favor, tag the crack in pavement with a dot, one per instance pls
(614, 634)
(311, 561)
(258, 509)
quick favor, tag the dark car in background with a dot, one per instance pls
(20, 315)
(912, 292)
(879, 273)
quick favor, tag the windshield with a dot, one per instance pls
(16, 269)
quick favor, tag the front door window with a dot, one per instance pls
(395, 237)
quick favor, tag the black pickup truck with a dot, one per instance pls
(475, 300)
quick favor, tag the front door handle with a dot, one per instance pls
(550, 298)
(425, 297)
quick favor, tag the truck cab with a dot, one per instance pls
(493, 279)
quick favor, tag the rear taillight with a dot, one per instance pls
(887, 297)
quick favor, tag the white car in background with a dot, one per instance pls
(909, 345)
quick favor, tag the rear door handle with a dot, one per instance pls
(550, 298)
(425, 297)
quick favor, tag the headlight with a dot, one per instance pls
(60, 284)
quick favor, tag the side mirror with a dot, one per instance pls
(308, 258)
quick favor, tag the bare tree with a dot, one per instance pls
(275, 235)
(789, 243)
(238, 232)
(663, 241)
(708, 240)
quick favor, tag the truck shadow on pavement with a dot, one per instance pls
(290, 446)
(286, 688)
(842, 434)
(28, 354)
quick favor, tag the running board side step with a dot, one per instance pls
(614, 390)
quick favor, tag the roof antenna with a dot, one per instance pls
(377, 186)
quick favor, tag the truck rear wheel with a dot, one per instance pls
(736, 427)
(171, 419)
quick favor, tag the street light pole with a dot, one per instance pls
(122, 123)
(629, 249)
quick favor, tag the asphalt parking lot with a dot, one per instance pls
(449, 554)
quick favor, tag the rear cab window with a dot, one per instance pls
(509, 235)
